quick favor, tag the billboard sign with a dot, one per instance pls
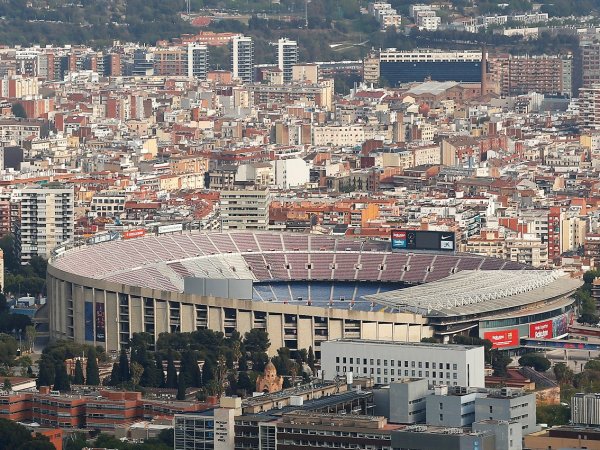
(132, 234)
(423, 240)
(170, 228)
(541, 330)
(100, 322)
(89, 321)
(560, 325)
(503, 338)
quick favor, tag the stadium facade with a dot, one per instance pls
(302, 289)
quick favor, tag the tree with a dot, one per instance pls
(92, 374)
(78, 375)
(160, 374)
(181, 386)
(124, 373)
(171, 381)
(310, 359)
(500, 360)
(13, 435)
(259, 361)
(61, 379)
(7, 385)
(244, 383)
(40, 443)
(593, 364)
(46, 373)
(553, 414)
(115, 375)
(136, 370)
(30, 335)
(208, 372)
(190, 370)
(257, 341)
(563, 374)
(535, 360)
(75, 441)
(18, 111)
(221, 375)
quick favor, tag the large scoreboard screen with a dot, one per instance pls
(423, 240)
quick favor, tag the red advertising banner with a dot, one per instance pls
(541, 330)
(503, 338)
(131, 234)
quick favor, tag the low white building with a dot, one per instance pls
(290, 173)
(387, 361)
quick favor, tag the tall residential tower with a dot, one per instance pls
(242, 54)
(287, 56)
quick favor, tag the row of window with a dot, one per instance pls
(391, 363)
(413, 373)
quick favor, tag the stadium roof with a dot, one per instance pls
(478, 291)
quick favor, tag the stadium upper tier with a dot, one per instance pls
(163, 262)
(478, 292)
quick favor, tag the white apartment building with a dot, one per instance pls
(245, 209)
(43, 220)
(338, 136)
(387, 361)
(428, 20)
(108, 204)
(287, 57)
(242, 54)
(291, 172)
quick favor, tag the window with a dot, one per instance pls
(491, 409)
(441, 417)
(454, 367)
(337, 359)
(427, 364)
(412, 364)
(420, 365)
(385, 362)
(351, 360)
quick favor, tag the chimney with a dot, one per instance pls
(483, 70)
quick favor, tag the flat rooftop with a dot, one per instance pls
(423, 345)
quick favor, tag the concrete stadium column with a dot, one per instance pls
(112, 325)
(336, 328)
(244, 321)
(161, 317)
(136, 315)
(275, 330)
(306, 332)
(188, 317)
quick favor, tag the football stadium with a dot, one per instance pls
(302, 289)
